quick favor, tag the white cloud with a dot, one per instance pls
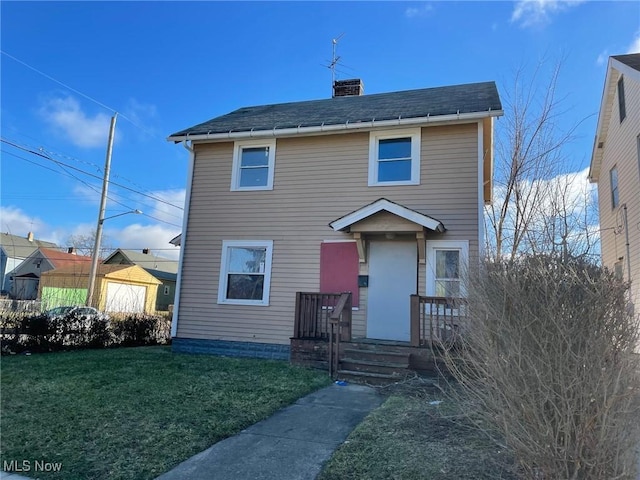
(529, 13)
(635, 45)
(154, 237)
(16, 222)
(164, 212)
(66, 116)
(422, 11)
(603, 58)
(142, 115)
(568, 199)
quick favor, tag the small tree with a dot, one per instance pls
(83, 244)
(534, 198)
(547, 357)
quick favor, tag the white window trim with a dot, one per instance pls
(432, 245)
(224, 263)
(235, 173)
(376, 136)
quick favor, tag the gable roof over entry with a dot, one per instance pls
(384, 205)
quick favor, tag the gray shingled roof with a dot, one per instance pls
(632, 60)
(148, 261)
(432, 102)
(15, 246)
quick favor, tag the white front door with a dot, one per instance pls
(392, 279)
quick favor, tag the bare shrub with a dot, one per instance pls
(548, 361)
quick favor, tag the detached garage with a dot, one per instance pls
(118, 288)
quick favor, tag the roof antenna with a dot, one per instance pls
(334, 59)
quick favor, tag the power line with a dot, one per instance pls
(68, 174)
(87, 184)
(97, 168)
(92, 188)
(58, 162)
(112, 110)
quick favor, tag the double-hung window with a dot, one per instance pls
(446, 262)
(394, 157)
(615, 194)
(245, 272)
(253, 165)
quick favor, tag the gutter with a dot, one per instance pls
(320, 129)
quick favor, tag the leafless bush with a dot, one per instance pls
(548, 361)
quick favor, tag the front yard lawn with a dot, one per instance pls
(134, 413)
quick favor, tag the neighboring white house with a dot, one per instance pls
(615, 167)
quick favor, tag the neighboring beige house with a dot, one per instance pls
(380, 195)
(163, 269)
(615, 167)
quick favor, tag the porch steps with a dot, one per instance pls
(370, 378)
(379, 363)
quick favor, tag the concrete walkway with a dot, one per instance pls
(294, 443)
(12, 476)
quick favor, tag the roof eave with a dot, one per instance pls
(603, 121)
(327, 129)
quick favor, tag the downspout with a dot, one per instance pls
(183, 238)
(630, 305)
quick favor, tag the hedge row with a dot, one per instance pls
(37, 333)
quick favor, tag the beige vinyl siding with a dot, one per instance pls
(317, 180)
(621, 150)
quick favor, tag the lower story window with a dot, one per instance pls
(245, 272)
(446, 260)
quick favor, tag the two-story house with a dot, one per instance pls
(379, 195)
(615, 167)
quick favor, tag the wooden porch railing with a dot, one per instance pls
(324, 316)
(340, 330)
(436, 320)
(313, 311)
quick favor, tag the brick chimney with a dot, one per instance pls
(30, 236)
(348, 88)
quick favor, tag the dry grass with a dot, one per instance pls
(410, 438)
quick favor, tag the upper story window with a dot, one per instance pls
(245, 273)
(615, 195)
(253, 165)
(621, 100)
(394, 157)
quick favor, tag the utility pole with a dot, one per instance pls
(103, 205)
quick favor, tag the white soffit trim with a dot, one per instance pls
(326, 129)
(396, 209)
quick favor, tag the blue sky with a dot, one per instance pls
(165, 66)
